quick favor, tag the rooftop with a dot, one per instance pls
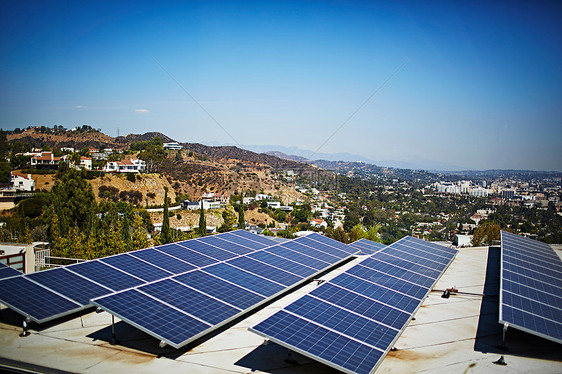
(458, 334)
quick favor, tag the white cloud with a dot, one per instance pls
(79, 106)
(142, 111)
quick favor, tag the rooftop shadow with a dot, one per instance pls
(274, 358)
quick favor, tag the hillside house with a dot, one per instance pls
(172, 145)
(318, 223)
(85, 162)
(133, 165)
(22, 182)
(46, 160)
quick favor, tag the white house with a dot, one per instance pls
(45, 161)
(262, 196)
(133, 165)
(172, 145)
(22, 182)
(196, 205)
(274, 204)
(85, 162)
(318, 223)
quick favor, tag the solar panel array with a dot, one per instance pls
(531, 286)
(367, 247)
(7, 271)
(181, 308)
(49, 294)
(352, 321)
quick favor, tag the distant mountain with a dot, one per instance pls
(286, 156)
(303, 155)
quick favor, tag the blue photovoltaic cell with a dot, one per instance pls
(408, 265)
(266, 271)
(532, 293)
(208, 250)
(383, 279)
(34, 301)
(531, 286)
(312, 252)
(367, 247)
(398, 272)
(419, 261)
(283, 263)
(220, 289)
(289, 254)
(145, 312)
(344, 321)
(69, 284)
(250, 238)
(323, 247)
(360, 304)
(376, 292)
(190, 301)
(225, 244)
(187, 255)
(245, 279)
(331, 242)
(369, 304)
(105, 275)
(136, 267)
(163, 260)
(436, 258)
(320, 342)
(428, 246)
(6, 271)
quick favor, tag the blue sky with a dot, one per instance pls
(481, 89)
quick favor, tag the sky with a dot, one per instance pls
(475, 84)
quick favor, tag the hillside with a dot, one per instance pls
(193, 171)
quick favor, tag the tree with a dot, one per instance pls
(486, 233)
(165, 236)
(140, 238)
(202, 221)
(229, 219)
(241, 219)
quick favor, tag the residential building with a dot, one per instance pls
(172, 145)
(45, 161)
(22, 182)
(133, 165)
(318, 223)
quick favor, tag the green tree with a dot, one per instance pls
(165, 236)
(241, 218)
(140, 237)
(486, 233)
(229, 219)
(202, 221)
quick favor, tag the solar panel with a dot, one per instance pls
(136, 267)
(367, 247)
(264, 270)
(531, 287)
(105, 274)
(362, 311)
(7, 271)
(164, 261)
(280, 262)
(225, 290)
(208, 250)
(142, 310)
(34, 301)
(234, 295)
(75, 287)
(201, 306)
(85, 281)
